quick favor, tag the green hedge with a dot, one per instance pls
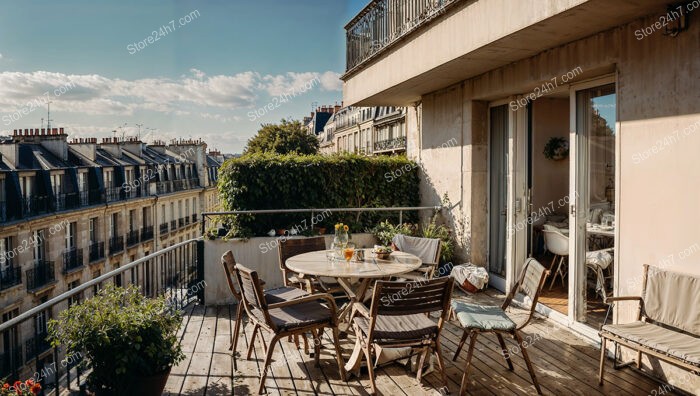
(270, 181)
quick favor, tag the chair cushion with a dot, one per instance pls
(599, 258)
(281, 294)
(399, 327)
(673, 343)
(482, 317)
(304, 314)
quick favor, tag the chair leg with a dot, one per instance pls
(506, 354)
(252, 341)
(639, 360)
(551, 266)
(441, 363)
(236, 332)
(470, 353)
(266, 367)
(421, 362)
(306, 344)
(523, 348)
(370, 368)
(461, 344)
(338, 355)
(317, 346)
(602, 361)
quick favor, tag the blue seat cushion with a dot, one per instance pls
(482, 317)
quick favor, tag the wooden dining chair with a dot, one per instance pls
(427, 249)
(480, 319)
(311, 313)
(397, 318)
(292, 247)
(228, 261)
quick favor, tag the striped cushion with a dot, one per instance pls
(674, 343)
(403, 327)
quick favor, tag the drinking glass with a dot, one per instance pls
(349, 251)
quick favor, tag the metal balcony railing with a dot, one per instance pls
(116, 245)
(72, 259)
(164, 228)
(3, 211)
(176, 273)
(173, 225)
(132, 238)
(146, 233)
(194, 217)
(35, 205)
(398, 143)
(40, 275)
(97, 251)
(383, 22)
(12, 276)
(114, 194)
(181, 222)
(164, 187)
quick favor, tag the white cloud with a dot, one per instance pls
(98, 95)
(0, 56)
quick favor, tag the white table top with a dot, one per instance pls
(316, 263)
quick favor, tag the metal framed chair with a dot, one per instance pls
(478, 319)
(287, 318)
(228, 261)
(292, 247)
(558, 244)
(427, 249)
(401, 322)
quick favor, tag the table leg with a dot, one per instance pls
(353, 295)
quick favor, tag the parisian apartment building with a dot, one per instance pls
(379, 130)
(71, 211)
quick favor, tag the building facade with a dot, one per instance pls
(72, 211)
(365, 130)
(583, 113)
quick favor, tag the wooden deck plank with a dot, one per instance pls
(564, 364)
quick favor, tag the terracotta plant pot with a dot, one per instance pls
(322, 231)
(281, 231)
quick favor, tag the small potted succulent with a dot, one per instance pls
(129, 341)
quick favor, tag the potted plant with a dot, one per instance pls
(19, 388)
(128, 340)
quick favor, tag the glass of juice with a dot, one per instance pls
(349, 251)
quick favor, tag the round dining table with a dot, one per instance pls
(354, 277)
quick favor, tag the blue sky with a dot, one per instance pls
(206, 74)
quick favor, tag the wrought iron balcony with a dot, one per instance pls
(398, 143)
(3, 211)
(35, 205)
(72, 259)
(181, 222)
(194, 217)
(164, 228)
(10, 362)
(97, 251)
(173, 225)
(132, 238)
(146, 233)
(164, 187)
(40, 275)
(114, 194)
(116, 245)
(12, 276)
(383, 22)
(36, 345)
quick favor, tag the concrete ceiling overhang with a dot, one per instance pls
(578, 22)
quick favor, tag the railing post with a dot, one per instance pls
(312, 220)
(200, 271)
(400, 216)
(204, 221)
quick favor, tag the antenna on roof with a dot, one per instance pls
(48, 115)
(139, 135)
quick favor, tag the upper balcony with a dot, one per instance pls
(400, 50)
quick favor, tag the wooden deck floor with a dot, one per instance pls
(565, 364)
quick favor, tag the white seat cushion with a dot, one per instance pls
(599, 258)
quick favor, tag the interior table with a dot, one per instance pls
(318, 263)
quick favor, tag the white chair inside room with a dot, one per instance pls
(558, 244)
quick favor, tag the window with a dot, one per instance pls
(187, 208)
(70, 235)
(146, 217)
(41, 319)
(132, 219)
(172, 210)
(162, 214)
(75, 299)
(39, 248)
(115, 225)
(6, 253)
(179, 209)
(93, 230)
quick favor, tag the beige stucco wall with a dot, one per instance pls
(658, 197)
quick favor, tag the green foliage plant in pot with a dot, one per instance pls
(557, 149)
(129, 341)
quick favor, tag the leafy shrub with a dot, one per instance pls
(123, 335)
(271, 181)
(385, 232)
